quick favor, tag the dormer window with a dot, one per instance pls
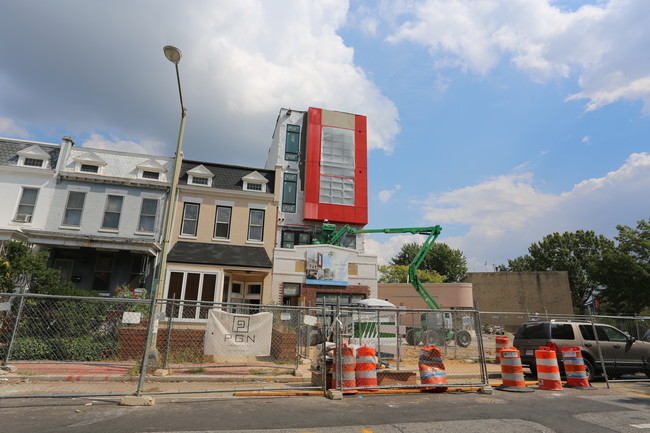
(255, 182)
(151, 169)
(89, 168)
(89, 163)
(199, 176)
(150, 175)
(33, 156)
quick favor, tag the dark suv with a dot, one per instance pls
(621, 353)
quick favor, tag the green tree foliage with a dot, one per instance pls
(446, 261)
(399, 274)
(579, 254)
(624, 271)
(19, 267)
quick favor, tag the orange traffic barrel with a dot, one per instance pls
(574, 367)
(366, 369)
(548, 372)
(501, 342)
(348, 364)
(432, 370)
(512, 373)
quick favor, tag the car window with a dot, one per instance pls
(614, 334)
(534, 331)
(587, 332)
(562, 331)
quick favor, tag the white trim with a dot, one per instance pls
(152, 196)
(116, 191)
(258, 206)
(78, 188)
(224, 203)
(197, 200)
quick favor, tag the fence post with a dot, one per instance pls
(14, 331)
(600, 353)
(145, 355)
(398, 338)
(481, 348)
(169, 332)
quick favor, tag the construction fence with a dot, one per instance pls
(55, 346)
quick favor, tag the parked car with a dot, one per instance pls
(646, 337)
(621, 353)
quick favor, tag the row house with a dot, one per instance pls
(98, 212)
(222, 238)
(321, 160)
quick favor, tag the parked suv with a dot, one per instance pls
(622, 354)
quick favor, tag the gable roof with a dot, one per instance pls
(151, 165)
(219, 254)
(228, 176)
(34, 152)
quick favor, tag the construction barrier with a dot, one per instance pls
(432, 369)
(501, 342)
(512, 373)
(574, 367)
(366, 368)
(348, 365)
(548, 372)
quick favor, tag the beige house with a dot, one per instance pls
(222, 238)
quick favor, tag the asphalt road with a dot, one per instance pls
(623, 408)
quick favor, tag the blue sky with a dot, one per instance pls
(502, 120)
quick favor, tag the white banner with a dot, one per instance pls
(230, 334)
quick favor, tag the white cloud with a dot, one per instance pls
(505, 214)
(604, 45)
(98, 141)
(242, 62)
(9, 128)
(387, 194)
(586, 139)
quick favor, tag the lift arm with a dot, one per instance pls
(328, 236)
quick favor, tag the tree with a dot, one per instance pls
(448, 262)
(399, 274)
(19, 267)
(579, 254)
(624, 271)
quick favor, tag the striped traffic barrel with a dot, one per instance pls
(366, 368)
(548, 372)
(348, 364)
(574, 367)
(432, 369)
(501, 342)
(512, 373)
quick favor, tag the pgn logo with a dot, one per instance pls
(240, 329)
(240, 323)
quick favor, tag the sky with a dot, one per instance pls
(502, 121)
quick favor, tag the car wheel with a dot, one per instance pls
(589, 370)
(413, 337)
(435, 338)
(463, 339)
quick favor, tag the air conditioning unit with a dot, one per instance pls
(22, 218)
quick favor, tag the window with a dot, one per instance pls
(190, 219)
(289, 189)
(254, 186)
(88, 168)
(26, 205)
(293, 143)
(112, 212)
(33, 162)
(103, 269)
(292, 238)
(195, 290)
(73, 208)
(222, 222)
(139, 269)
(587, 332)
(562, 331)
(337, 166)
(148, 215)
(256, 225)
(291, 289)
(150, 175)
(199, 180)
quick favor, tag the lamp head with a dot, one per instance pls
(172, 53)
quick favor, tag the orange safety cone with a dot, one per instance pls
(574, 367)
(366, 369)
(548, 372)
(512, 373)
(432, 370)
(501, 342)
(348, 364)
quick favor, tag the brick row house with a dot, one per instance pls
(239, 234)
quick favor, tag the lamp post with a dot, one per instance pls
(173, 54)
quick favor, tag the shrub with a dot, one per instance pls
(28, 348)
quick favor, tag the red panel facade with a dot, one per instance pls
(314, 210)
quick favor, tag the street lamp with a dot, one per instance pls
(173, 54)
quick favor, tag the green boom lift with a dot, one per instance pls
(436, 328)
